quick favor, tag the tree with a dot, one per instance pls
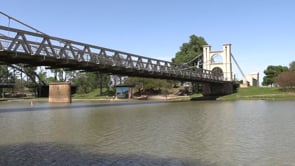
(286, 80)
(83, 81)
(5, 75)
(148, 84)
(31, 74)
(103, 80)
(60, 74)
(89, 81)
(271, 73)
(190, 50)
(292, 66)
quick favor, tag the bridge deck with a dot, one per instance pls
(37, 49)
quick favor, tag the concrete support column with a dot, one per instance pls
(60, 92)
(130, 92)
(217, 89)
(206, 57)
(227, 62)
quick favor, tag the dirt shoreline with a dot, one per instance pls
(151, 97)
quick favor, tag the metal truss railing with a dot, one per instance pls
(38, 44)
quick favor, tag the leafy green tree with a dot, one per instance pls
(271, 72)
(5, 75)
(148, 84)
(50, 79)
(31, 74)
(59, 74)
(103, 80)
(89, 81)
(190, 50)
(42, 77)
(83, 82)
(292, 66)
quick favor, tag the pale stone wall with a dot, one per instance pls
(60, 92)
(253, 79)
(225, 65)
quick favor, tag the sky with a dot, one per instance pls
(262, 32)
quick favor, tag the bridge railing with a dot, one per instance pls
(36, 44)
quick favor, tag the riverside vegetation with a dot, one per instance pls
(250, 93)
(260, 93)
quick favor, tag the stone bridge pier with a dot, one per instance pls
(60, 92)
(219, 89)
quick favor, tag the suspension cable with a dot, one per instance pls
(24, 24)
(196, 57)
(239, 67)
(8, 22)
(8, 32)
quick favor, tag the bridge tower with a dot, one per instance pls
(219, 62)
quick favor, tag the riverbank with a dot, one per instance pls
(251, 93)
(259, 93)
(108, 98)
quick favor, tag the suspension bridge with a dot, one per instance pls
(35, 48)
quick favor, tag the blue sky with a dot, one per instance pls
(262, 32)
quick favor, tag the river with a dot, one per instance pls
(201, 133)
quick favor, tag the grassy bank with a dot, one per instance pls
(260, 93)
(251, 93)
(92, 95)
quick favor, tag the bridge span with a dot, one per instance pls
(38, 49)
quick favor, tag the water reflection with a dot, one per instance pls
(45, 106)
(61, 154)
(182, 133)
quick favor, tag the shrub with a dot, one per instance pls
(286, 80)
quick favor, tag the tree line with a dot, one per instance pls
(27, 76)
(281, 76)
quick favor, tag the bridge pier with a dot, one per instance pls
(218, 89)
(60, 92)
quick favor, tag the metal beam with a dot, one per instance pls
(43, 50)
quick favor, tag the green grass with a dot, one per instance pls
(251, 93)
(196, 95)
(262, 93)
(95, 94)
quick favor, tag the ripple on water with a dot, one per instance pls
(58, 154)
(185, 133)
